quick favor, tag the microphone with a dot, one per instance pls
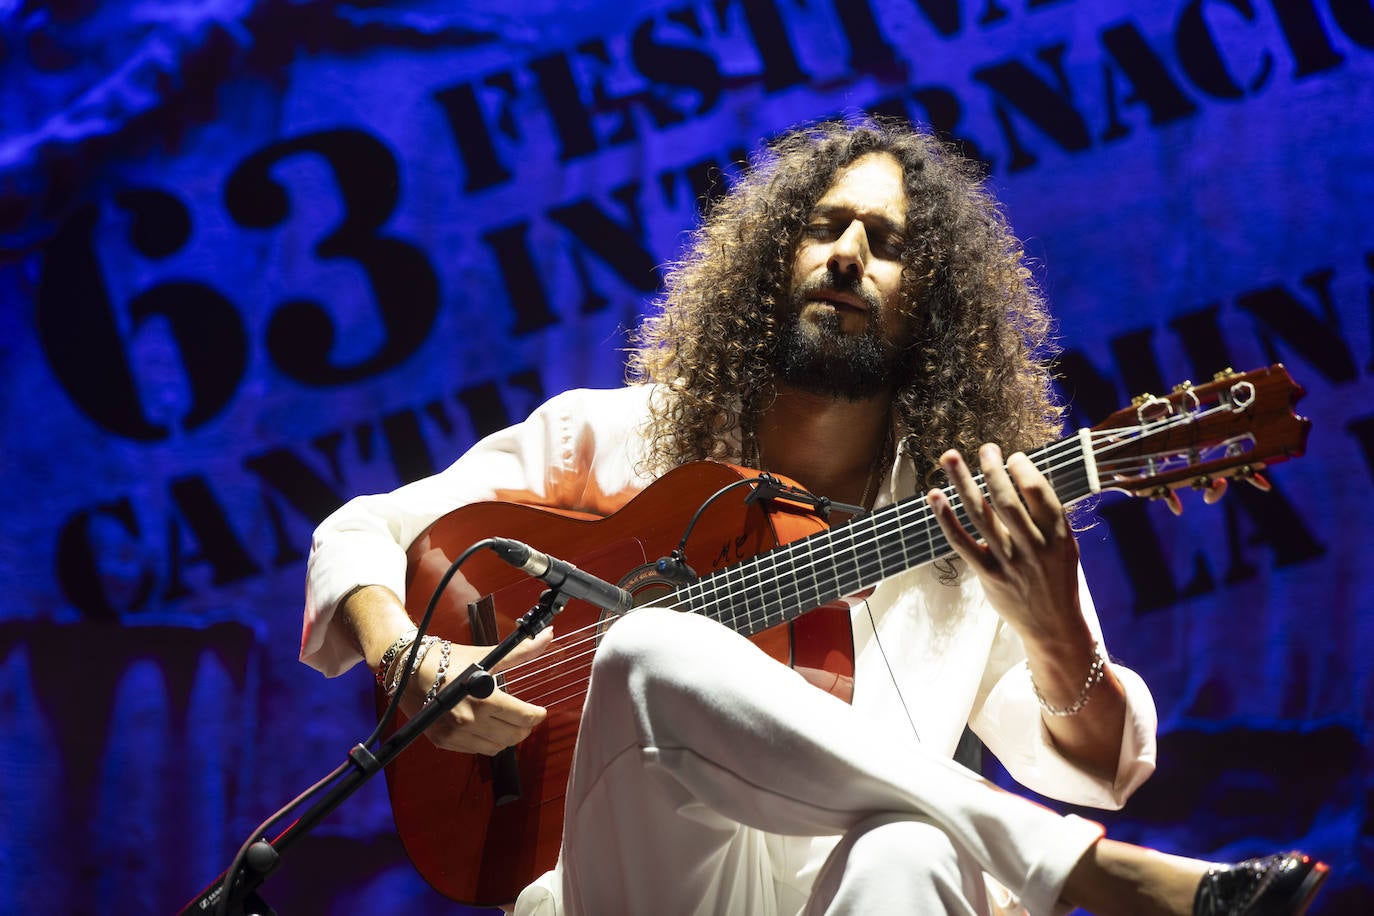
(564, 576)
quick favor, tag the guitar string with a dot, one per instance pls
(836, 547)
(554, 674)
(833, 542)
(1049, 460)
(556, 668)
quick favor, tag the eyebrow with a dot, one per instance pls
(882, 223)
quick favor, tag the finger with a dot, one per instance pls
(976, 507)
(958, 537)
(1005, 499)
(486, 726)
(469, 741)
(1041, 503)
(486, 747)
(506, 727)
(504, 707)
(465, 742)
(528, 650)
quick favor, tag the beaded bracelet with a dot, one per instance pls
(392, 651)
(1095, 672)
(441, 674)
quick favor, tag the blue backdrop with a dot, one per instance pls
(257, 257)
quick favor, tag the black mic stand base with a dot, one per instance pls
(264, 857)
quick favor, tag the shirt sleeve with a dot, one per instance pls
(559, 456)
(1008, 721)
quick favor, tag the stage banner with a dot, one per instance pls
(259, 257)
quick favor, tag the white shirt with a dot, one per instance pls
(931, 656)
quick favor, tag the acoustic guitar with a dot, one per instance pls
(479, 829)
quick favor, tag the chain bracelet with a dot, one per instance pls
(439, 676)
(1095, 673)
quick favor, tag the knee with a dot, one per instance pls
(661, 658)
(645, 641)
(887, 844)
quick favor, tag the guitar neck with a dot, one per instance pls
(780, 585)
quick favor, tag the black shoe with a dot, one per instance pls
(1278, 885)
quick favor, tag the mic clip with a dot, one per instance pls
(766, 486)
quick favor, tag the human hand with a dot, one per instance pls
(476, 726)
(1021, 548)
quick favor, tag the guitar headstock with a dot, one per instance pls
(1232, 426)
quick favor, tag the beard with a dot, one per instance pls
(818, 357)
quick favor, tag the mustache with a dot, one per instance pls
(839, 284)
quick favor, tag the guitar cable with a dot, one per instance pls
(421, 629)
(892, 675)
(766, 486)
(259, 834)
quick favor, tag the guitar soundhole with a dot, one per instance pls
(650, 586)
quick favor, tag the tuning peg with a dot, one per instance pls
(1170, 499)
(1251, 475)
(1213, 488)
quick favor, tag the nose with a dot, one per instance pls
(849, 254)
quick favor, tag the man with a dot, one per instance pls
(854, 315)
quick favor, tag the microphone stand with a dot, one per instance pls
(264, 857)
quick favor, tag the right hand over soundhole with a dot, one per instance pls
(477, 726)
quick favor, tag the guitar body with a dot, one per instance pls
(464, 843)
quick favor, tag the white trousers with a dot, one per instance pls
(695, 745)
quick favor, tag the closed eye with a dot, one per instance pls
(882, 242)
(825, 231)
(887, 247)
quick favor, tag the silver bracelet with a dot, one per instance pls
(392, 651)
(1095, 672)
(398, 669)
(439, 676)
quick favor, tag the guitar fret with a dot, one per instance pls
(791, 591)
(783, 583)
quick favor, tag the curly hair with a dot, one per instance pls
(978, 360)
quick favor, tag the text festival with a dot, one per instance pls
(561, 108)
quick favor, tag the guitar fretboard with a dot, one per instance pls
(781, 584)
